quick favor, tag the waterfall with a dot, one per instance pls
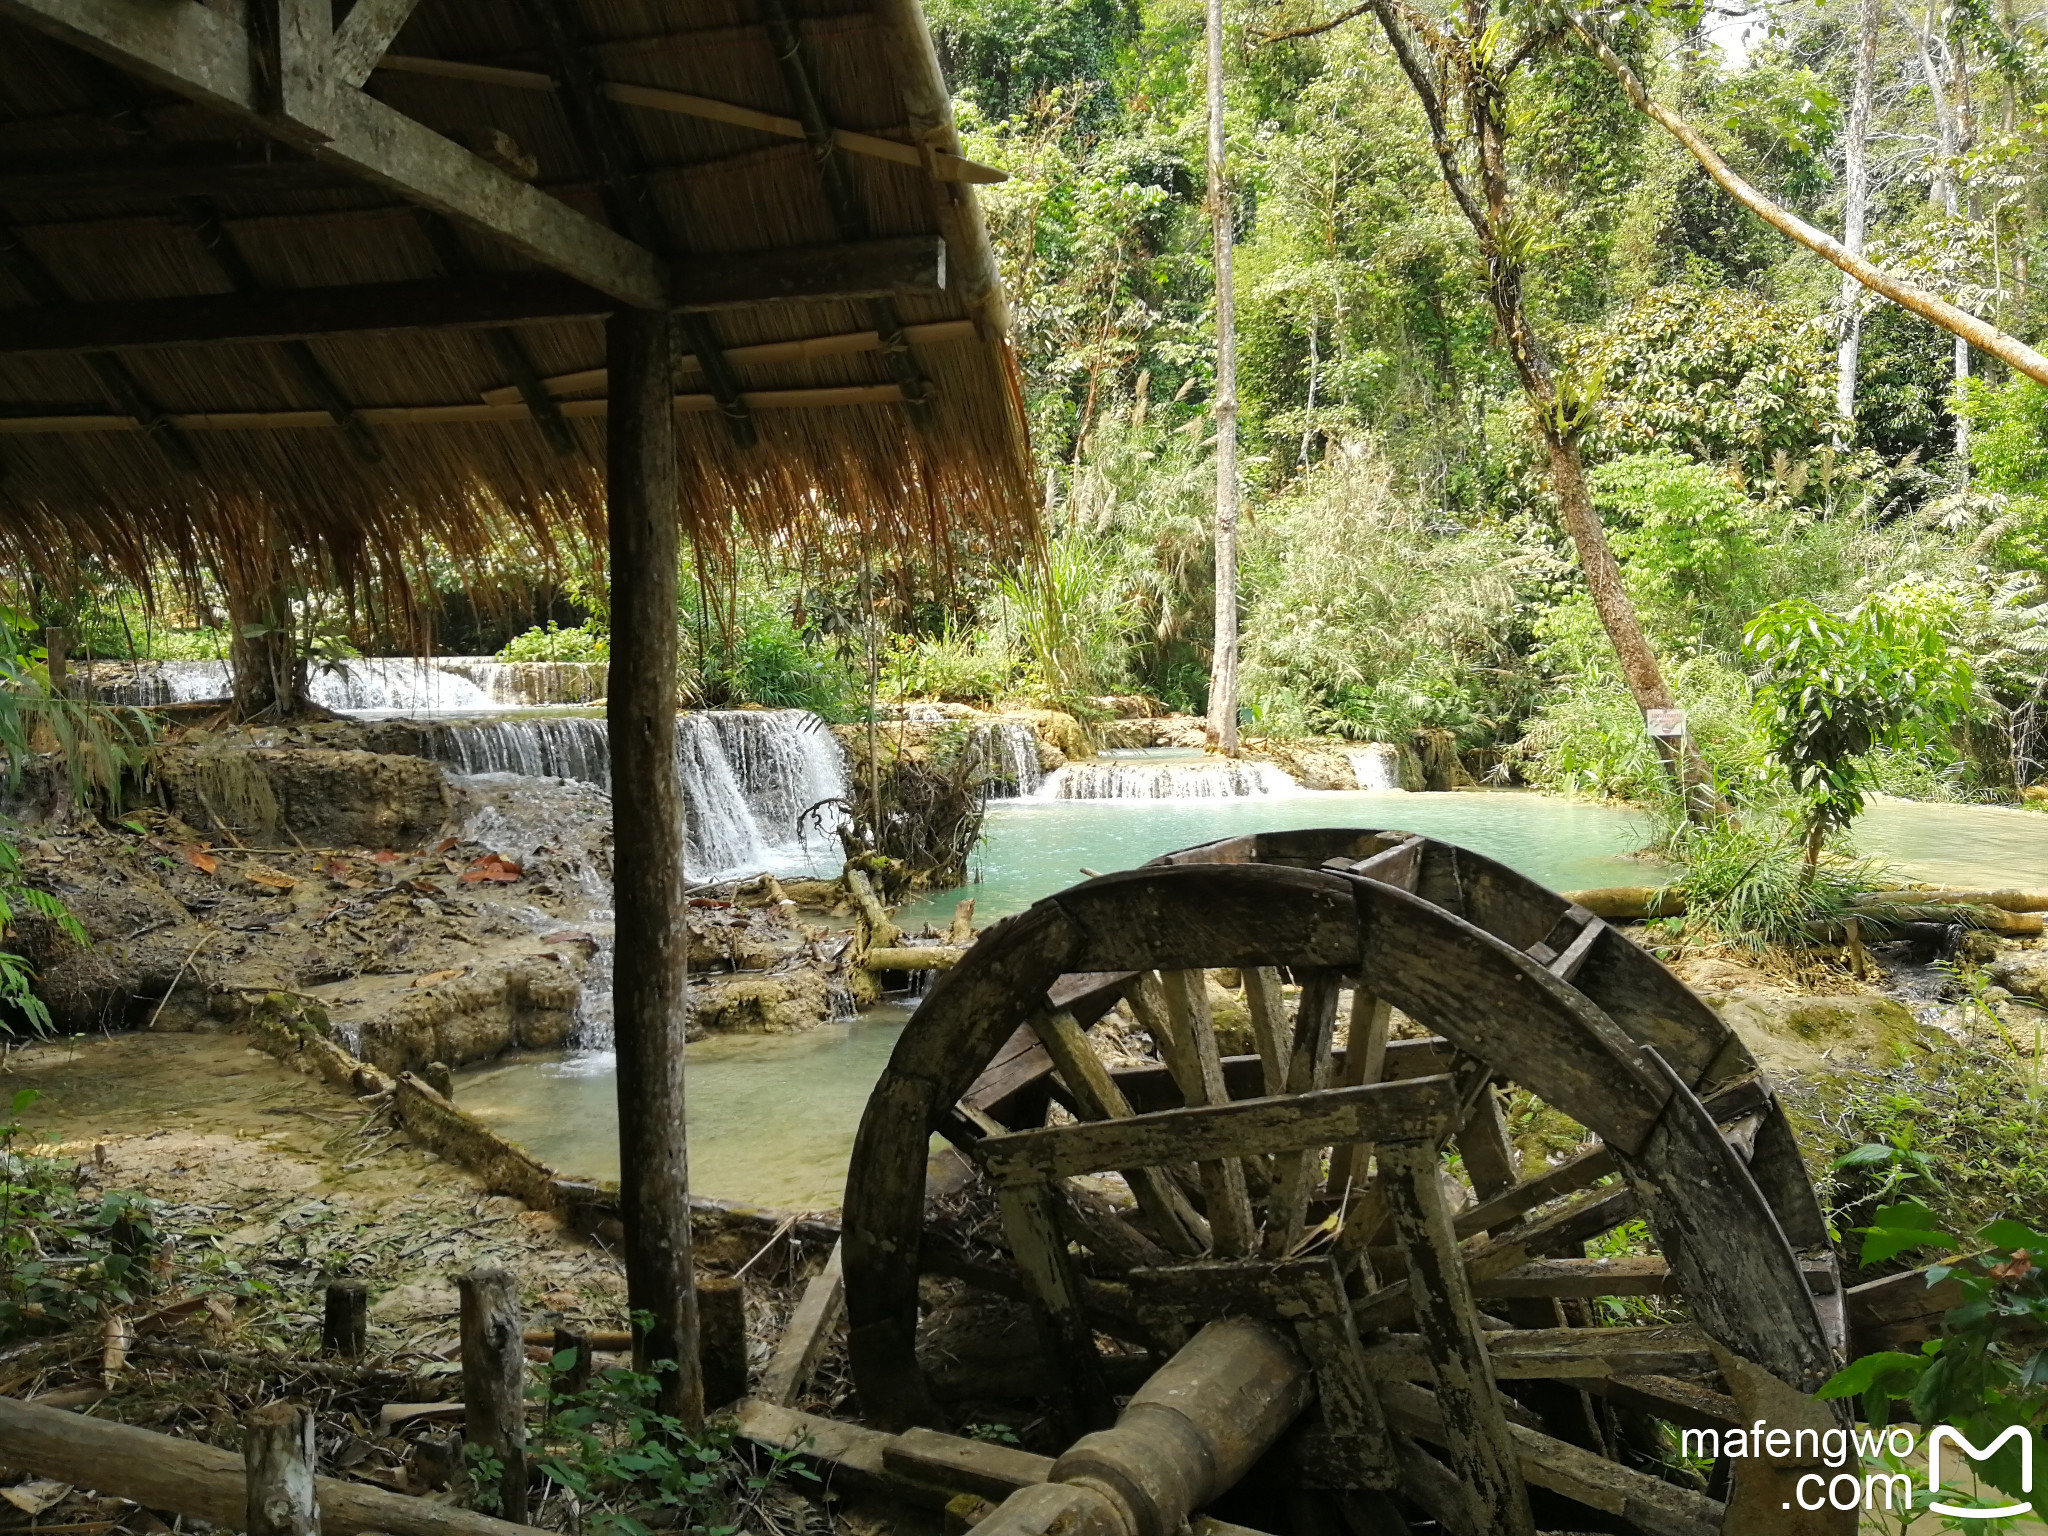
(1377, 766)
(156, 683)
(1008, 750)
(540, 746)
(748, 777)
(1164, 781)
(396, 684)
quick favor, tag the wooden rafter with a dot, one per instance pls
(945, 167)
(365, 36)
(912, 265)
(203, 55)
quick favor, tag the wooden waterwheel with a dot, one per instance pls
(1365, 1197)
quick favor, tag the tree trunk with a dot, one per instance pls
(1943, 192)
(1222, 730)
(1856, 206)
(269, 673)
(651, 949)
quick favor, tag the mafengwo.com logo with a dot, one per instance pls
(1891, 1488)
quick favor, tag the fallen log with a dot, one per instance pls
(164, 1473)
(2015, 914)
(1632, 903)
(907, 957)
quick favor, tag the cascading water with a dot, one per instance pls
(748, 777)
(1008, 750)
(1377, 766)
(1164, 781)
(385, 684)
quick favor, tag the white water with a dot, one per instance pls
(1102, 780)
(749, 778)
(1009, 753)
(383, 684)
(1376, 766)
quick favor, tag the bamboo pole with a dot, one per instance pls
(1985, 337)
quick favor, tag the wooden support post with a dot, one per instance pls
(806, 1338)
(574, 1379)
(57, 651)
(1031, 1223)
(722, 1338)
(494, 1380)
(1476, 1428)
(277, 1455)
(345, 1328)
(649, 1001)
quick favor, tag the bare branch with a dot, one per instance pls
(1984, 337)
(1315, 29)
(1433, 109)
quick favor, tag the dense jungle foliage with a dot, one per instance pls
(1403, 564)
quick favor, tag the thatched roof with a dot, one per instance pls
(120, 182)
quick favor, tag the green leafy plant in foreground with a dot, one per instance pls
(1755, 887)
(633, 1468)
(1989, 1369)
(18, 898)
(59, 1260)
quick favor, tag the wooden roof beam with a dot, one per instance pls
(157, 171)
(365, 36)
(202, 54)
(913, 265)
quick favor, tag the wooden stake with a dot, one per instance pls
(494, 1380)
(575, 1380)
(345, 1329)
(649, 1002)
(722, 1340)
(277, 1453)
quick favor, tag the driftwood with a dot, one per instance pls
(910, 957)
(164, 1472)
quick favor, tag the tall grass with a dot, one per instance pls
(1747, 882)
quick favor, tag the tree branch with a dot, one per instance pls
(1984, 337)
(1316, 29)
(1439, 132)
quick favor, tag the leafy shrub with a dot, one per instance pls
(1748, 883)
(551, 642)
(970, 668)
(1070, 619)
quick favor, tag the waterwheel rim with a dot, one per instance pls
(1506, 972)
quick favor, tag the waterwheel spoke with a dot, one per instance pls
(1173, 1220)
(1192, 1038)
(1365, 1061)
(1308, 1071)
(1031, 1223)
(1270, 1025)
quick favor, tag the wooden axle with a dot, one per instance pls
(1188, 1435)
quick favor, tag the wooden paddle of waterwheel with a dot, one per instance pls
(1364, 1198)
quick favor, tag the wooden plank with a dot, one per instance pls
(365, 36)
(485, 299)
(853, 1455)
(1094, 1222)
(1346, 1396)
(1649, 1504)
(1172, 1218)
(203, 1482)
(945, 165)
(1308, 1071)
(1150, 1088)
(1249, 1128)
(1484, 1147)
(1397, 866)
(1019, 1062)
(1184, 917)
(808, 1334)
(972, 1466)
(1567, 1178)
(1270, 1024)
(1474, 1427)
(1031, 1225)
(1193, 1038)
(909, 265)
(1567, 965)
(1684, 1403)
(159, 171)
(1564, 1353)
(1363, 1060)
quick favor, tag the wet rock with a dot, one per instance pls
(2023, 972)
(1793, 1033)
(528, 1003)
(321, 796)
(777, 1003)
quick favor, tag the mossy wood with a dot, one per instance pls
(1395, 987)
